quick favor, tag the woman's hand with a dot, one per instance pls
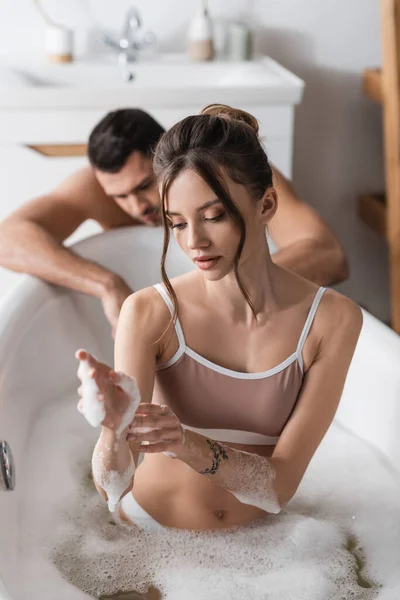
(116, 391)
(157, 428)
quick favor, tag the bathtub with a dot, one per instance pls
(41, 326)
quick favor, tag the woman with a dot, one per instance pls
(240, 363)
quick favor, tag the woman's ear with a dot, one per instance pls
(268, 205)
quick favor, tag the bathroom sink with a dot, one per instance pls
(152, 74)
(174, 77)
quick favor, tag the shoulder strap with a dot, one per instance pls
(308, 323)
(167, 299)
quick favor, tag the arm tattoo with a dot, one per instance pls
(219, 454)
(249, 477)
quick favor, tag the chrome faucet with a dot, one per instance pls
(7, 469)
(132, 39)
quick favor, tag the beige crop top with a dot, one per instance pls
(226, 405)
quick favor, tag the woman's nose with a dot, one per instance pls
(197, 238)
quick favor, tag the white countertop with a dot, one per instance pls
(170, 80)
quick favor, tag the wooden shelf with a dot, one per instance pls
(372, 210)
(381, 212)
(372, 84)
(60, 149)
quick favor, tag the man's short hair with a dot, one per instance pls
(120, 133)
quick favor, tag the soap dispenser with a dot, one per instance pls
(200, 41)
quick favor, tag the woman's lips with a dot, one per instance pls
(206, 263)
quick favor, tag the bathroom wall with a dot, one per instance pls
(338, 150)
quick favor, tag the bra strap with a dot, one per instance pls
(167, 299)
(307, 325)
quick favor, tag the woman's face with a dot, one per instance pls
(203, 228)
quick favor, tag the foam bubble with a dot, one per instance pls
(340, 533)
(92, 409)
(113, 482)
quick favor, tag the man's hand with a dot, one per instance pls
(113, 299)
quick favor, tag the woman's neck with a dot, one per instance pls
(258, 274)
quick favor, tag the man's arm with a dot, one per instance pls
(31, 239)
(306, 244)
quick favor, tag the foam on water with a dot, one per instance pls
(340, 533)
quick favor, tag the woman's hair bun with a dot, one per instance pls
(234, 114)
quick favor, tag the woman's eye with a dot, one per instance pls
(177, 225)
(216, 218)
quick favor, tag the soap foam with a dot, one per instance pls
(92, 409)
(343, 527)
(113, 482)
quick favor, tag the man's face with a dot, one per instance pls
(134, 188)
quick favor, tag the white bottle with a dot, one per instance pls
(59, 43)
(200, 41)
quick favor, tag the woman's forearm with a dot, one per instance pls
(113, 467)
(249, 477)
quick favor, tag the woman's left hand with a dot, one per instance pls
(159, 427)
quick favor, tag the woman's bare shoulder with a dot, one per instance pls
(145, 309)
(335, 330)
(338, 316)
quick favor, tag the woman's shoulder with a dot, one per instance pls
(146, 308)
(338, 316)
(339, 307)
(334, 311)
(335, 329)
(153, 305)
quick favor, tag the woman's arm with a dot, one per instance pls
(144, 318)
(320, 395)
(269, 483)
(249, 477)
(139, 328)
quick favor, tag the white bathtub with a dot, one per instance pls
(41, 327)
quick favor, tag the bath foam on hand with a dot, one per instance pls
(113, 482)
(93, 410)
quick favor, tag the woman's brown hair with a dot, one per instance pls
(219, 138)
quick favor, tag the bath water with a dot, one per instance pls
(339, 538)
